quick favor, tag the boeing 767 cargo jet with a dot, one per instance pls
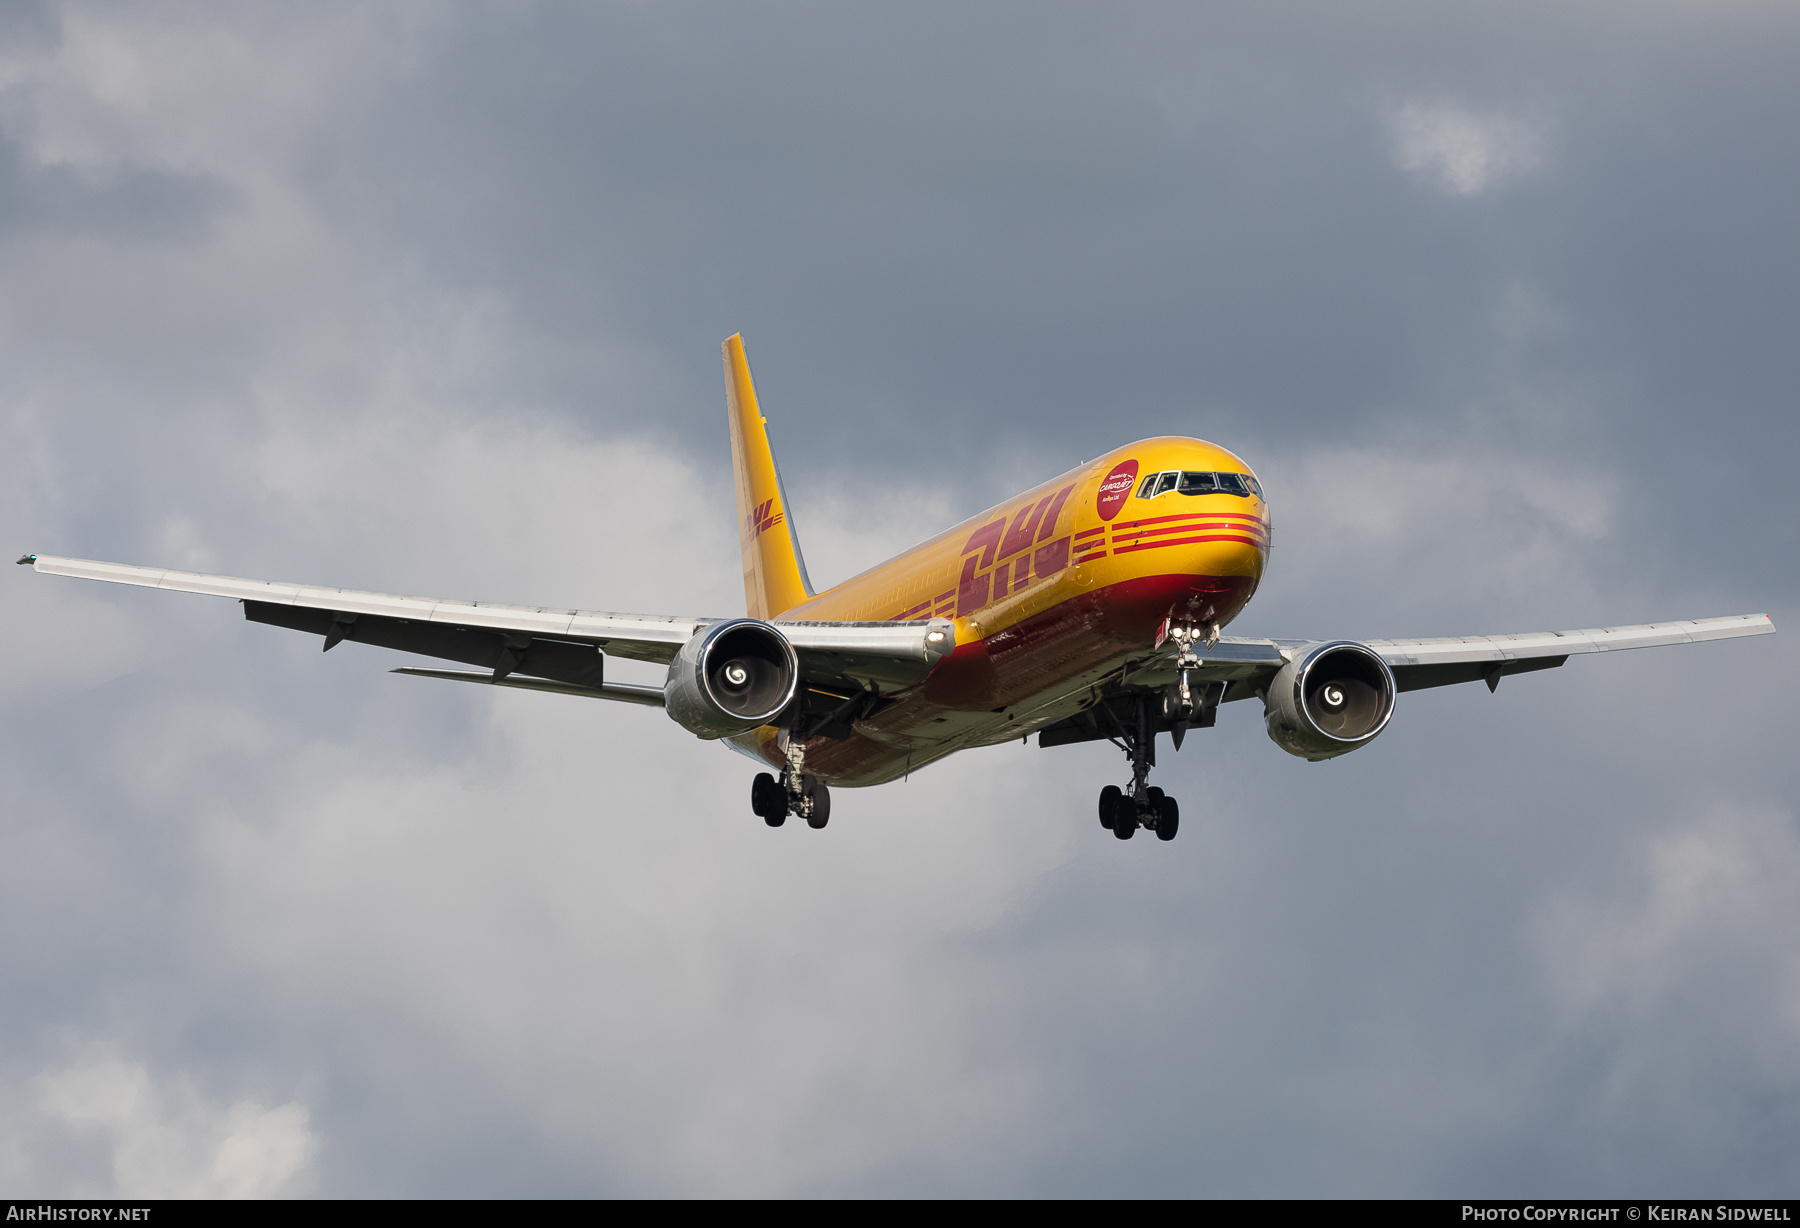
(1087, 608)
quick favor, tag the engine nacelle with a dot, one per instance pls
(1329, 700)
(731, 678)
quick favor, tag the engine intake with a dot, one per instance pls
(1329, 700)
(731, 678)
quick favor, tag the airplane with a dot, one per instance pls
(1090, 607)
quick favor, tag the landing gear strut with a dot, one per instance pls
(1141, 804)
(1185, 704)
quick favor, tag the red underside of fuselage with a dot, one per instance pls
(1096, 629)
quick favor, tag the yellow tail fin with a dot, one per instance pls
(774, 573)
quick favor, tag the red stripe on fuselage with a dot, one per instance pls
(1132, 524)
(1187, 541)
(1185, 527)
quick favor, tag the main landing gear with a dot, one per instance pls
(798, 792)
(1123, 811)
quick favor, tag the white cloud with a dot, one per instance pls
(162, 1138)
(634, 963)
(144, 87)
(69, 641)
(1381, 532)
(1460, 152)
(1694, 895)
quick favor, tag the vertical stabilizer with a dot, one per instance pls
(774, 573)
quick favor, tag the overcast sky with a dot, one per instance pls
(1498, 301)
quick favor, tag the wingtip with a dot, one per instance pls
(24, 559)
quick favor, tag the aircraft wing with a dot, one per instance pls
(1247, 663)
(1440, 662)
(1239, 668)
(567, 648)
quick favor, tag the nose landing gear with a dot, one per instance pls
(1189, 703)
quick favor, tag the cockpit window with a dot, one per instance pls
(1194, 483)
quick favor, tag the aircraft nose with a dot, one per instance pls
(1239, 552)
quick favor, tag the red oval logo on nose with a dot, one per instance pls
(1116, 489)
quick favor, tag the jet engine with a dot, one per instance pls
(1329, 700)
(730, 678)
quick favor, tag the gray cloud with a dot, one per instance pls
(427, 301)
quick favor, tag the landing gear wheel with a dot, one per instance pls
(1109, 805)
(1125, 822)
(821, 806)
(767, 801)
(1156, 797)
(1169, 821)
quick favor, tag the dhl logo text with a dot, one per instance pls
(1011, 547)
(760, 521)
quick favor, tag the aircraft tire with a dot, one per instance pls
(1125, 821)
(766, 798)
(821, 814)
(1156, 796)
(775, 820)
(1109, 805)
(1169, 821)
